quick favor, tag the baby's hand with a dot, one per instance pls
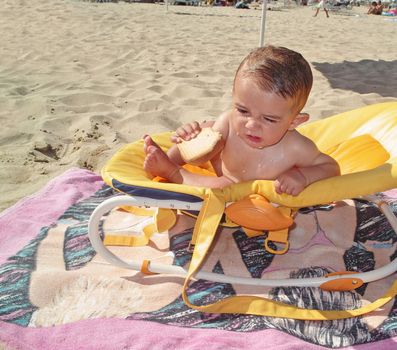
(291, 182)
(186, 132)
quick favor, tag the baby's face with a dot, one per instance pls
(260, 118)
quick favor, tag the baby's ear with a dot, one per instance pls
(299, 119)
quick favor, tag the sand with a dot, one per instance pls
(80, 79)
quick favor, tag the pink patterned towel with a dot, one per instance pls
(57, 293)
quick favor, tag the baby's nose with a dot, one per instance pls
(251, 123)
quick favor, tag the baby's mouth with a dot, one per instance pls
(254, 139)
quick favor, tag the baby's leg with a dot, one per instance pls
(157, 163)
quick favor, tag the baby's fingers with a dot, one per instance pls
(287, 188)
(191, 130)
(180, 135)
(281, 186)
(175, 138)
(278, 186)
(188, 131)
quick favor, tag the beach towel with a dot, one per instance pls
(56, 292)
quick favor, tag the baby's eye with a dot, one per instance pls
(242, 111)
(269, 120)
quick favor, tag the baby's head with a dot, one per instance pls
(279, 70)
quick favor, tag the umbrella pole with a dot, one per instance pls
(263, 22)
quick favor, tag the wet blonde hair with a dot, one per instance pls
(279, 70)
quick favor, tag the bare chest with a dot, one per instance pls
(243, 163)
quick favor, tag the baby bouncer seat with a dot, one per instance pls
(362, 141)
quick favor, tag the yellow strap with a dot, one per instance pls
(164, 219)
(266, 307)
(205, 230)
(252, 233)
(279, 236)
(226, 223)
(131, 241)
(137, 210)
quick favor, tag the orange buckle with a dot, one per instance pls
(342, 284)
(145, 268)
(281, 237)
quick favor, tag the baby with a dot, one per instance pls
(259, 140)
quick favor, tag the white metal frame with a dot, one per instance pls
(109, 204)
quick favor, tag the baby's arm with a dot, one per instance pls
(323, 166)
(310, 166)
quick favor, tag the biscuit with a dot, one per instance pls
(201, 145)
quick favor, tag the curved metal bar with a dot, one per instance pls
(109, 204)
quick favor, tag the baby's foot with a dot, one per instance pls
(157, 162)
